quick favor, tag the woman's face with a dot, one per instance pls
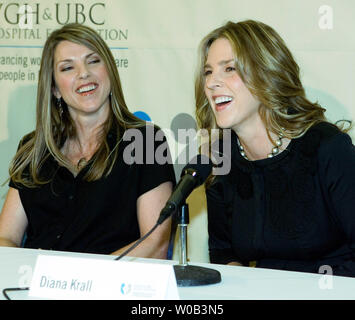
(232, 103)
(81, 79)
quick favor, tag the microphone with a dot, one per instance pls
(193, 175)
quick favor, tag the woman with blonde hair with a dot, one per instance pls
(70, 186)
(288, 201)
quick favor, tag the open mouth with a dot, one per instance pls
(87, 89)
(222, 101)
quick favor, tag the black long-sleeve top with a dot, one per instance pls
(295, 211)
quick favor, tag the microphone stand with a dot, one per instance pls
(187, 275)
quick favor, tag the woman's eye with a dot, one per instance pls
(66, 68)
(207, 72)
(229, 69)
(94, 61)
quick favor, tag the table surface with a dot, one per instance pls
(238, 283)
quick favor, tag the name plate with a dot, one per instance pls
(58, 277)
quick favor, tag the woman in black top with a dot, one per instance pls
(78, 182)
(288, 201)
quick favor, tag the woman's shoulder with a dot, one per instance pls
(144, 128)
(148, 128)
(323, 135)
(148, 134)
(331, 138)
(325, 143)
(325, 129)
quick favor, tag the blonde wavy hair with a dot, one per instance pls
(271, 74)
(52, 128)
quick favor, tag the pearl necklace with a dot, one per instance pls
(274, 150)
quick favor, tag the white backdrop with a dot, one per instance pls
(155, 44)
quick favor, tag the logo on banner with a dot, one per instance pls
(29, 25)
(126, 288)
(62, 13)
(25, 22)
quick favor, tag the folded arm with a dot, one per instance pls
(149, 206)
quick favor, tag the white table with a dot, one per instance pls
(237, 282)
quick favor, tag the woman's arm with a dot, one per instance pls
(219, 229)
(337, 171)
(13, 220)
(149, 206)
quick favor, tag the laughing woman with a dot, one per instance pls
(70, 186)
(289, 199)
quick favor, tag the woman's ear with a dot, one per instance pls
(56, 92)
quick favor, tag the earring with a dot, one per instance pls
(60, 107)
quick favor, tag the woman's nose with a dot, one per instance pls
(83, 72)
(214, 81)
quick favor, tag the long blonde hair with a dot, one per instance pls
(53, 128)
(269, 71)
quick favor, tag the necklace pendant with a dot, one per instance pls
(81, 163)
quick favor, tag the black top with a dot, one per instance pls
(71, 214)
(295, 211)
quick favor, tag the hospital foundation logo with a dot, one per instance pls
(126, 288)
(26, 15)
(138, 290)
(29, 21)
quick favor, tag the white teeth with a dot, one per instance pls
(87, 88)
(223, 99)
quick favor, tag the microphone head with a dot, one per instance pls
(200, 167)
